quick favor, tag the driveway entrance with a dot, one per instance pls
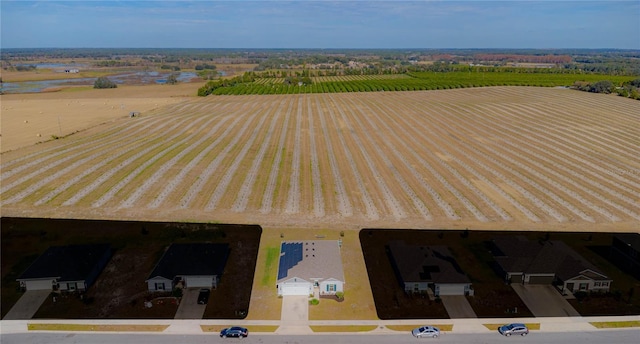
(27, 305)
(295, 315)
(457, 306)
(544, 300)
(189, 307)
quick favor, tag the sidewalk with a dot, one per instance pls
(547, 324)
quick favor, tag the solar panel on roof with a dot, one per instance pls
(290, 256)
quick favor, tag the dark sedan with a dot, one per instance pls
(203, 296)
(238, 332)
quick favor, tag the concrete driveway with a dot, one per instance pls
(189, 307)
(544, 300)
(458, 307)
(27, 305)
(295, 315)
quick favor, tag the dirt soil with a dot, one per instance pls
(36, 117)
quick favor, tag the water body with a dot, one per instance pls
(54, 65)
(121, 79)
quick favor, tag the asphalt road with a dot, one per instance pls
(595, 337)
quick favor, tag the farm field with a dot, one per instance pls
(523, 158)
(414, 81)
(35, 117)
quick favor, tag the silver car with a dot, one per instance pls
(509, 329)
(426, 331)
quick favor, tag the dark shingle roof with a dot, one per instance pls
(68, 263)
(425, 263)
(192, 259)
(630, 239)
(548, 257)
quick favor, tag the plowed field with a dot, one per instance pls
(499, 157)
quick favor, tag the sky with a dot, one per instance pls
(425, 24)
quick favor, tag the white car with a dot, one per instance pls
(426, 331)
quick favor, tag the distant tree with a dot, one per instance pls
(604, 86)
(104, 82)
(172, 79)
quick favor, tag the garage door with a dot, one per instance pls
(540, 279)
(198, 281)
(300, 289)
(450, 289)
(516, 278)
(39, 285)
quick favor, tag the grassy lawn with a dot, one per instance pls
(358, 303)
(615, 324)
(270, 265)
(347, 328)
(101, 328)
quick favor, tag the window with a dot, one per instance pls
(596, 284)
(605, 284)
(331, 287)
(71, 286)
(159, 286)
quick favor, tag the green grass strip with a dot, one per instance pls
(615, 324)
(345, 328)
(100, 328)
(272, 256)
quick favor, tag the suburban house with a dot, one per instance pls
(625, 252)
(190, 265)
(547, 262)
(423, 268)
(307, 265)
(66, 268)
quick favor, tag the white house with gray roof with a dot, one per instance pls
(305, 265)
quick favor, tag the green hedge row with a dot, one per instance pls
(420, 81)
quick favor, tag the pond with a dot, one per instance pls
(131, 78)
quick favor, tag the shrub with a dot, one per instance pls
(104, 82)
(314, 301)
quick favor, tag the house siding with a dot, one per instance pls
(581, 284)
(413, 287)
(72, 286)
(330, 287)
(159, 284)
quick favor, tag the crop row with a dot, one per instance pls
(495, 154)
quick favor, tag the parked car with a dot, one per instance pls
(509, 329)
(203, 296)
(238, 332)
(426, 331)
